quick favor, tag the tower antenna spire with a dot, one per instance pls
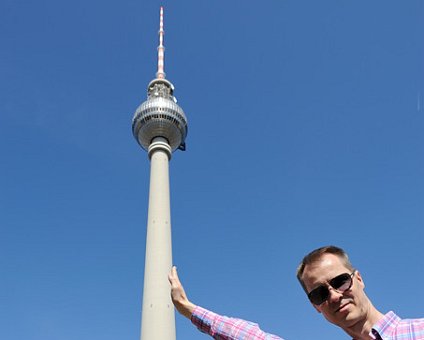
(161, 49)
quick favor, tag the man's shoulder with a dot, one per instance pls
(391, 326)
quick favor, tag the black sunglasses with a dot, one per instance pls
(341, 283)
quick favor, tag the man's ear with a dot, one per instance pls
(359, 279)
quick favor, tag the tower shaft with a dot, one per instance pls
(158, 318)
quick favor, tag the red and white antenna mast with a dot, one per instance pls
(161, 49)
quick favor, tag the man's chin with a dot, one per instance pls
(343, 316)
(346, 317)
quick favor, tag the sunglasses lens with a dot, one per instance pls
(318, 295)
(341, 282)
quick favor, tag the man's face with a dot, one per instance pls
(342, 309)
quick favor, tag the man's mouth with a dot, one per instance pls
(342, 307)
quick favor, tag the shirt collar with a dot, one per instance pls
(385, 326)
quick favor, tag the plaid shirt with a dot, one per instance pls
(390, 327)
(225, 328)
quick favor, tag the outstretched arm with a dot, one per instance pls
(217, 326)
(178, 295)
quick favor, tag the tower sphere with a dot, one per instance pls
(160, 116)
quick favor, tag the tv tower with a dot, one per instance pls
(160, 127)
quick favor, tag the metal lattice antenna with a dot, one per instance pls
(161, 49)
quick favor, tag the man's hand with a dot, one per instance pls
(178, 295)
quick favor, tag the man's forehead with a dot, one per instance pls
(323, 269)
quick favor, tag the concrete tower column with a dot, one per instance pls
(158, 318)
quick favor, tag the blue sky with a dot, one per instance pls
(305, 128)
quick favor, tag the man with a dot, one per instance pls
(334, 288)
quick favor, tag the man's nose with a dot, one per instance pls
(334, 295)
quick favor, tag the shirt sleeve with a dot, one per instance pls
(225, 328)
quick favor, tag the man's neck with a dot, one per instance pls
(361, 330)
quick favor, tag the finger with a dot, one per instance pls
(173, 276)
